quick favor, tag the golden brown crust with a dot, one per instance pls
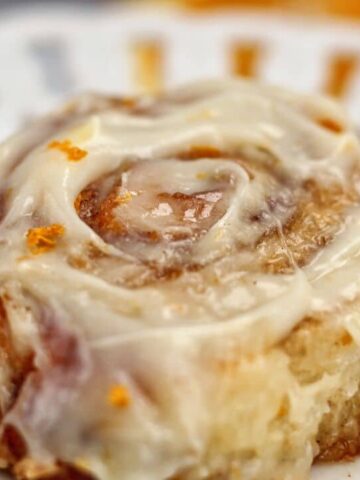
(21, 364)
(340, 440)
(28, 469)
(315, 348)
(342, 450)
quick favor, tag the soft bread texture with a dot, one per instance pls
(179, 287)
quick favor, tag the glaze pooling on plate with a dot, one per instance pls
(144, 245)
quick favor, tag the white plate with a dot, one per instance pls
(344, 471)
(61, 52)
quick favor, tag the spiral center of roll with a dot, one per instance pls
(167, 201)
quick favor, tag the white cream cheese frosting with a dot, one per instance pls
(202, 181)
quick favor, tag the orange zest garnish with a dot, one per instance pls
(330, 124)
(201, 176)
(119, 396)
(43, 239)
(74, 154)
(123, 198)
(200, 151)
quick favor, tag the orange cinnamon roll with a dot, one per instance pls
(179, 287)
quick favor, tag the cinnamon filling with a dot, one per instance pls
(318, 218)
(142, 205)
(138, 207)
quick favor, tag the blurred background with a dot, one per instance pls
(52, 50)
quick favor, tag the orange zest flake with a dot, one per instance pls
(200, 151)
(119, 396)
(330, 124)
(82, 463)
(43, 239)
(123, 198)
(201, 176)
(74, 154)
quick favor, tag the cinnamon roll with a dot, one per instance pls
(179, 294)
